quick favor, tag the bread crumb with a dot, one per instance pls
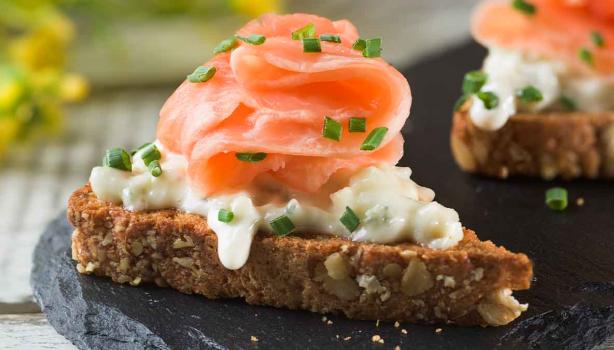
(580, 201)
(377, 339)
(337, 336)
(396, 324)
(347, 338)
(254, 339)
(408, 254)
(404, 331)
(324, 318)
(329, 322)
(397, 348)
(438, 330)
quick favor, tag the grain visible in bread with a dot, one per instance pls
(466, 285)
(548, 145)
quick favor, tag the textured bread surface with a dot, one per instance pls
(321, 273)
(557, 144)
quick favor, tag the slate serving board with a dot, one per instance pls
(571, 301)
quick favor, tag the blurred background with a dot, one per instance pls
(80, 76)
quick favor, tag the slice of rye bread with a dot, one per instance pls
(465, 285)
(548, 145)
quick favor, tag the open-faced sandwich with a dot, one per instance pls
(543, 103)
(273, 179)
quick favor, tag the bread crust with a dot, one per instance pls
(320, 273)
(549, 145)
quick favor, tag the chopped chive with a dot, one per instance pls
(251, 157)
(460, 102)
(597, 39)
(254, 39)
(133, 152)
(349, 219)
(224, 215)
(356, 124)
(202, 74)
(524, 6)
(308, 31)
(567, 103)
(489, 99)
(150, 153)
(282, 226)
(556, 198)
(330, 38)
(373, 140)
(530, 94)
(154, 168)
(473, 81)
(359, 44)
(117, 158)
(586, 56)
(373, 48)
(311, 45)
(226, 45)
(331, 129)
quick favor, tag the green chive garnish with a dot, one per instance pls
(154, 168)
(460, 102)
(524, 6)
(373, 140)
(201, 74)
(349, 219)
(117, 158)
(331, 129)
(250, 157)
(357, 124)
(150, 153)
(254, 39)
(282, 226)
(330, 38)
(373, 48)
(311, 45)
(226, 45)
(308, 31)
(473, 81)
(133, 152)
(556, 198)
(224, 215)
(567, 103)
(359, 44)
(586, 56)
(530, 94)
(489, 99)
(597, 39)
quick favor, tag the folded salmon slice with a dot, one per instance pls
(558, 30)
(273, 98)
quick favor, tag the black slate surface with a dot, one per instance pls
(571, 301)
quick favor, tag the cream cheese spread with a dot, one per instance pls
(508, 72)
(391, 207)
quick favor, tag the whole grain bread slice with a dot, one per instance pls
(548, 145)
(469, 284)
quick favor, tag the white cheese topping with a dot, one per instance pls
(509, 72)
(391, 207)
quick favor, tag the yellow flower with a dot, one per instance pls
(45, 45)
(11, 91)
(255, 8)
(73, 88)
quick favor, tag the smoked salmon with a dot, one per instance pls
(579, 33)
(272, 98)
